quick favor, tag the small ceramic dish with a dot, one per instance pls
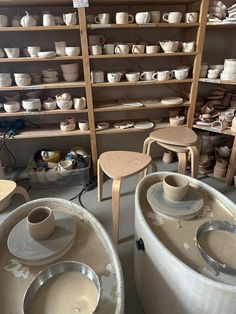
(47, 54)
(169, 46)
(103, 125)
(144, 125)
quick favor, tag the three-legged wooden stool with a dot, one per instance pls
(119, 165)
(180, 140)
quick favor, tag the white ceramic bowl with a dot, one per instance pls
(12, 52)
(21, 75)
(72, 51)
(47, 54)
(70, 68)
(71, 77)
(33, 51)
(175, 121)
(5, 82)
(230, 65)
(169, 46)
(23, 81)
(50, 73)
(11, 106)
(67, 127)
(49, 105)
(64, 104)
(5, 75)
(31, 104)
(50, 79)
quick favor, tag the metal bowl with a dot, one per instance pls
(54, 270)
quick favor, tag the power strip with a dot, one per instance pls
(91, 185)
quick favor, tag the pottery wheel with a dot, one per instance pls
(185, 209)
(32, 252)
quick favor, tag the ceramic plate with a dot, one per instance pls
(145, 125)
(172, 101)
(185, 209)
(32, 252)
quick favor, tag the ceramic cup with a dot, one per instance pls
(181, 74)
(48, 20)
(97, 76)
(147, 75)
(189, 46)
(124, 18)
(3, 20)
(96, 50)
(83, 125)
(175, 187)
(152, 49)
(72, 51)
(213, 74)
(155, 16)
(70, 18)
(96, 40)
(132, 76)
(114, 77)
(172, 17)
(41, 223)
(60, 47)
(33, 51)
(142, 17)
(191, 17)
(138, 49)
(122, 49)
(109, 49)
(163, 75)
(102, 18)
(80, 103)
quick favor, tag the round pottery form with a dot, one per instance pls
(219, 172)
(175, 187)
(41, 223)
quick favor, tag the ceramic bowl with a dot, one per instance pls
(169, 46)
(72, 51)
(47, 54)
(66, 164)
(5, 82)
(175, 187)
(71, 77)
(31, 104)
(50, 79)
(41, 223)
(175, 121)
(67, 127)
(21, 75)
(70, 68)
(11, 106)
(64, 104)
(103, 125)
(23, 81)
(49, 105)
(63, 96)
(5, 75)
(50, 73)
(33, 51)
(230, 65)
(12, 52)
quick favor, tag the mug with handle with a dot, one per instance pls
(172, 17)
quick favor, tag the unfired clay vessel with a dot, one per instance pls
(175, 187)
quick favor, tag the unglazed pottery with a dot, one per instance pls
(72, 51)
(49, 104)
(169, 46)
(132, 76)
(147, 75)
(124, 18)
(70, 68)
(142, 17)
(63, 96)
(172, 17)
(83, 125)
(31, 104)
(109, 49)
(48, 20)
(11, 106)
(175, 187)
(178, 120)
(95, 50)
(5, 82)
(33, 51)
(97, 76)
(12, 52)
(102, 18)
(70, 18)
(152, 49)
(71, 77)
(163, 75)
(122, 49)
(47, 54)
(138, 49)
(24, 81)
(114, 77)
(64, 104)
(79, 103)
(41, 223)
(49, 73)
(27, 20)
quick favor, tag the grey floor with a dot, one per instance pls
(102, 211)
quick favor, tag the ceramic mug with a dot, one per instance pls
(48, 20)
(181, 74)
(96, 50)
(97, 76)
(114, 77)
(124, 18)
(41, 223)
(213, 74)
(146, 75)
(122, 49)
(151, 49)
(70, 18)
(155, 16)
(163, 75)
(132, 76)
(142, 17)
(60, 47)
(96, 40)
(138, 49)
(191, 17)
(3, 20)
(172, 17)
(189, 46)
(109, 49)
(102, 18)
(80, 103)
(83, 125)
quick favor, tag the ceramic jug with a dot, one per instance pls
(69, 18)
(27, 20)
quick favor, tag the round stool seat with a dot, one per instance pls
(178, 135)
(122, 164)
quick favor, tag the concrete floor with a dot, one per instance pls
(102, 211)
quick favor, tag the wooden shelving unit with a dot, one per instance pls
(144, 55)
(58, 85)
(138, 26)
(27, 59)
(39, 28)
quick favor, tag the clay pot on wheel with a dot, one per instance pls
(175, 187)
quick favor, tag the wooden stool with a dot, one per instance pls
(7, 189)
(180, 140)
(119, 165)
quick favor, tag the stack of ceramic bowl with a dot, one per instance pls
(229, 72)
(22, 79)
(50, 76)
(70, 72)
(5, 79)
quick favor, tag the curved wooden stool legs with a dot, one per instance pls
(116, 208)
(100, 181)
(182, 162)
(194, 161)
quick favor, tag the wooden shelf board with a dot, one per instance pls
(216, 81)
(212, 25)
(40, 28)
(143, 55)
(58, 85)
(28, 59)
(116, 106)
(47, 131)
(138, 26)
(41, 113)
(42, 3)
(210, 129)
(113, 130)
(140, 83)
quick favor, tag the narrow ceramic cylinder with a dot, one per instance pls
(175, 187)
(41, 223)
